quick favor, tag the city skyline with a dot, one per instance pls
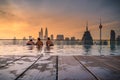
(21, 18)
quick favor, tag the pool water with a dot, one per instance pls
(61, 50)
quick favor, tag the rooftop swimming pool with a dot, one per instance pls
(8, 48)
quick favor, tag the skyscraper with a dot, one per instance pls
(112, 37)
(52, 37)
(41, 34)
(46, 34)
(118, 40)
(87, 38)
(60, 37)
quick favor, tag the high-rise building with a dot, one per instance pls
(46, 34)
(14, 40)
(87, 38)
(67, 38)
(73, 39)
(112, 37)
(118, 40)
(52, 37)
(41, 34)
(60, 37)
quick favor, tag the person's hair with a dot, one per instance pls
(30, 39)
(39, 39)
(48, 38)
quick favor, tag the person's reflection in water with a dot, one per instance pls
(112, 48)
(30, 47)
(48, 48)
(87, 49)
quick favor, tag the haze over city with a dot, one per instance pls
(22, 18)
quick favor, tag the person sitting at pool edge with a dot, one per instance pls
(49, 42)
(39, 43)
(30, 42)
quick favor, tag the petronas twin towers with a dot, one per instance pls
(41, 36)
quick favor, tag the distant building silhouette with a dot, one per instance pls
(112, 37)
(51, 36)
(73, 39)
(41, 34)
(118, 40)
(105, 42)
(60, 37)
(67, 39)
(24, 38)
(112, 40)
(46, 34)
(24, 41)
(14, 40)
(87, 38)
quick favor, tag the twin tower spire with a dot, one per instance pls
(41, 34)
(87, 26)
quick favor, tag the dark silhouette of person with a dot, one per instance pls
(49, 42)
(30, 42)
(39, 43)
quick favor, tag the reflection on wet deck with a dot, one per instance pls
(43, 67)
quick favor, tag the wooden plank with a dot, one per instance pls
(70, 69)
(109, 61)
(43, 69)
(11, 71)
(27, 68)
(104, 72)
(6, 60)
(97, 78)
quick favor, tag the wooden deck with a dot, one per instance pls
(47, 67)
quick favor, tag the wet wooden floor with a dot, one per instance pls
(47, 67)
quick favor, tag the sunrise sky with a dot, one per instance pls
(19, 18)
